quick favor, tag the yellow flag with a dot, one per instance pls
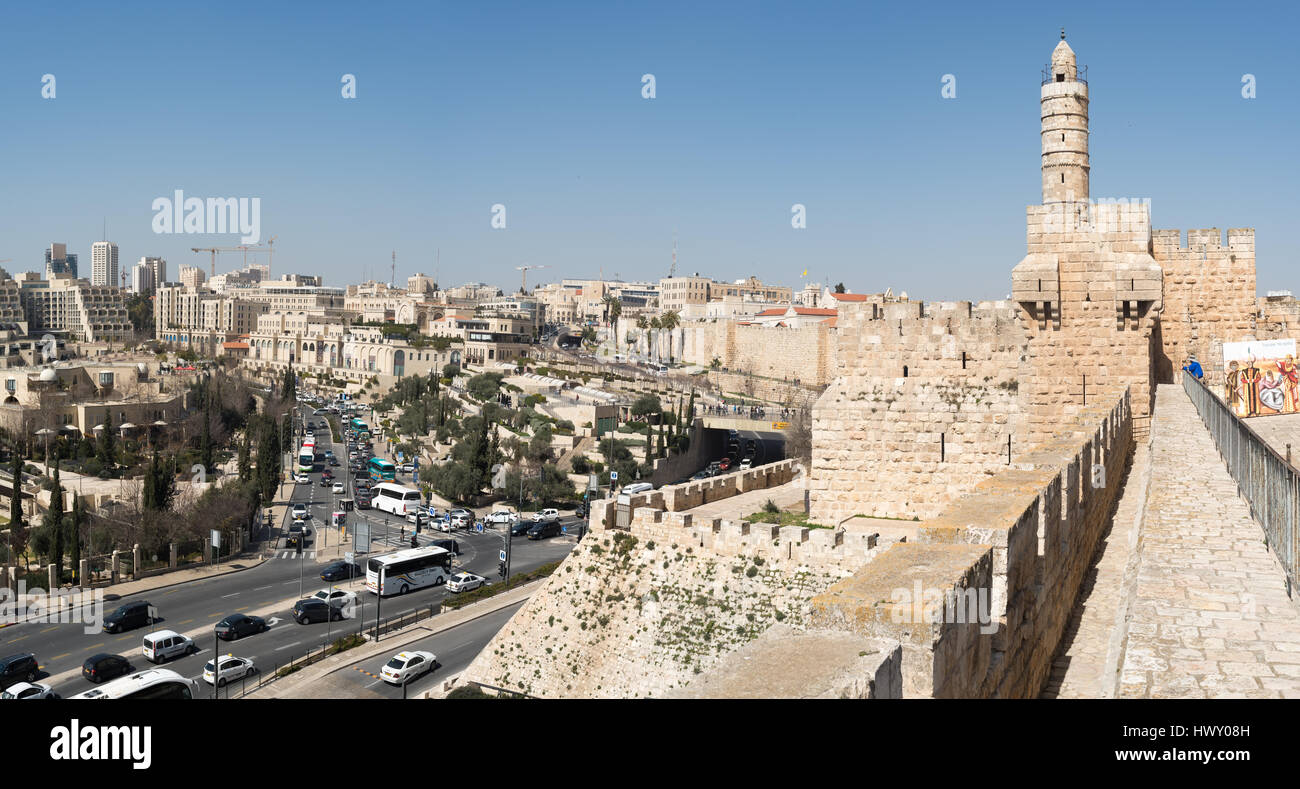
(805, 273)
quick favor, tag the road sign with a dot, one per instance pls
(478, 527)
(216, 538)
(613, 476)
(349, 557)
(780, 425)
(593, 482)
(501, 556)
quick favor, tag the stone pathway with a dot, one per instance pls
(1085, 663)
(1208, 615)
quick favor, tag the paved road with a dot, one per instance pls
(268, 590)
(455, 649)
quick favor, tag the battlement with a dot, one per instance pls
(1167, 243)
(823, 548)
(1023, 539)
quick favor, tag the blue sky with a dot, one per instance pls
(538, 106)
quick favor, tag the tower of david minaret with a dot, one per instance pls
(1088, 289)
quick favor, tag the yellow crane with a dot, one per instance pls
(245, 249)
(523, 282)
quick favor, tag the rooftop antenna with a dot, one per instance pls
(392, 272)
(673, 269)
(1062, 33)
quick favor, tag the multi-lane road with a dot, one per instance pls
(268, 590)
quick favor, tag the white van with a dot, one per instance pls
(164, 645)
(154, 683)
(636, 487)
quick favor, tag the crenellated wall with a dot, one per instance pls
(1018, 545)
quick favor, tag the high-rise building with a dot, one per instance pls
(59, 261)
(142, 277)
(192, 276)
(157, 273)
(103, 263)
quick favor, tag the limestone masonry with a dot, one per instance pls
(999, 431)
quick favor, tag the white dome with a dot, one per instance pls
(48, 374)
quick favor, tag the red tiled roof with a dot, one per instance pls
(779, 311)
(243, 345)
(849, 296)
(814, 311)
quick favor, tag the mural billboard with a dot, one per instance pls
(1261, 378)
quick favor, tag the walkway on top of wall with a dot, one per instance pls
(1208, 613)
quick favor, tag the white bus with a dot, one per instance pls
(154, 683)
(413, 568)
(307, 457)
(397, 499)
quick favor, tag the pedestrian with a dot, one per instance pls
(1194, 367)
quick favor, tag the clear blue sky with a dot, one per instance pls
(538, 106)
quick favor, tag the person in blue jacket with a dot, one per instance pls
(1194, 367)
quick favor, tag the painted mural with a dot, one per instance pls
(1261, 378)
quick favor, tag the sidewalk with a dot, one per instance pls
(299, 684)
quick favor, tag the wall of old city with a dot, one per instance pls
(1209, 291)
(981, 599)
(922, 411)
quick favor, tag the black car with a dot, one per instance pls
(540, 530)
(363, 501)
(450, 546)
(313, 610)
(127, 617)
(18, 668)
(580, 511)
(103, 667)
(520, 528)
(334, 461)
(239, 625)
(341, 571)
(296, 536)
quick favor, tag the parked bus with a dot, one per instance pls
(396, 499)
(307, 457)
(404, 571)
(382, 470)
(361, 428)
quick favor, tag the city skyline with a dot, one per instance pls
(545, 116)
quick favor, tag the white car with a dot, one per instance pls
(463, 582)
(29, 690)
(339, 599)
(302, 479)
(746, 464)
(407, 468)
(300, 512)
(338, 488)
(406, 666)
(503, 516)
(232, 668)
(546, 516)
(417, 516)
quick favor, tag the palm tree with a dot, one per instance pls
(670, 320)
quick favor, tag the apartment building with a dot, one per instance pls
(88, 313)
(103, 263)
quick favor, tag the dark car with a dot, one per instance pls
(18, 668)
(520, 528)
(540, 530)
(102, 667)
(327, 474)
(313, 610)
(127, 617)
(296, 536)
(363, 501)
(238, 626)
(451, 546)
(334, 461)
(580, 511)
(341, 571)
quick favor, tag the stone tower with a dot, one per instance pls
(1064, 106)
(1089, 290)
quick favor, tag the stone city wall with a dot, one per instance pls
(1209, 290)
(1018, 546)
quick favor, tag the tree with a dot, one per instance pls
(159, 484)
(17, 530)
(661, 452)
(268, 460)
(205, 436)
(798, 437)
(245, 456)
(54, 526)
(289, 389)
(74, 537)
(715, 364)
(450, 370)
(839, 287)
(107, 448)
(646, 404)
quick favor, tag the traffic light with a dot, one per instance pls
(501, 569)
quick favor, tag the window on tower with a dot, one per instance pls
(1060, 78)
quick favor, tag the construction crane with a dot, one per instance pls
(523, 282)
(245, 249)
(673, 269)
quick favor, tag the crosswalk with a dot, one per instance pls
(291, 554)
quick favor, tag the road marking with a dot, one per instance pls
(288, 646)
(48, 629)
(124, 638)
(184, 621)
(20, 638)
(235, 594)
(65, 654)
(97, 646)
(260, 588)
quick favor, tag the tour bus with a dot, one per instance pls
(413, 568)
(396, 499)
(361, 428)
(307, 457)
(154, 683)
(382, 470)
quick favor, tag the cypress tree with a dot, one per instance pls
(53, 524)
(74, 538)
(17, 531)
(245, 455)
